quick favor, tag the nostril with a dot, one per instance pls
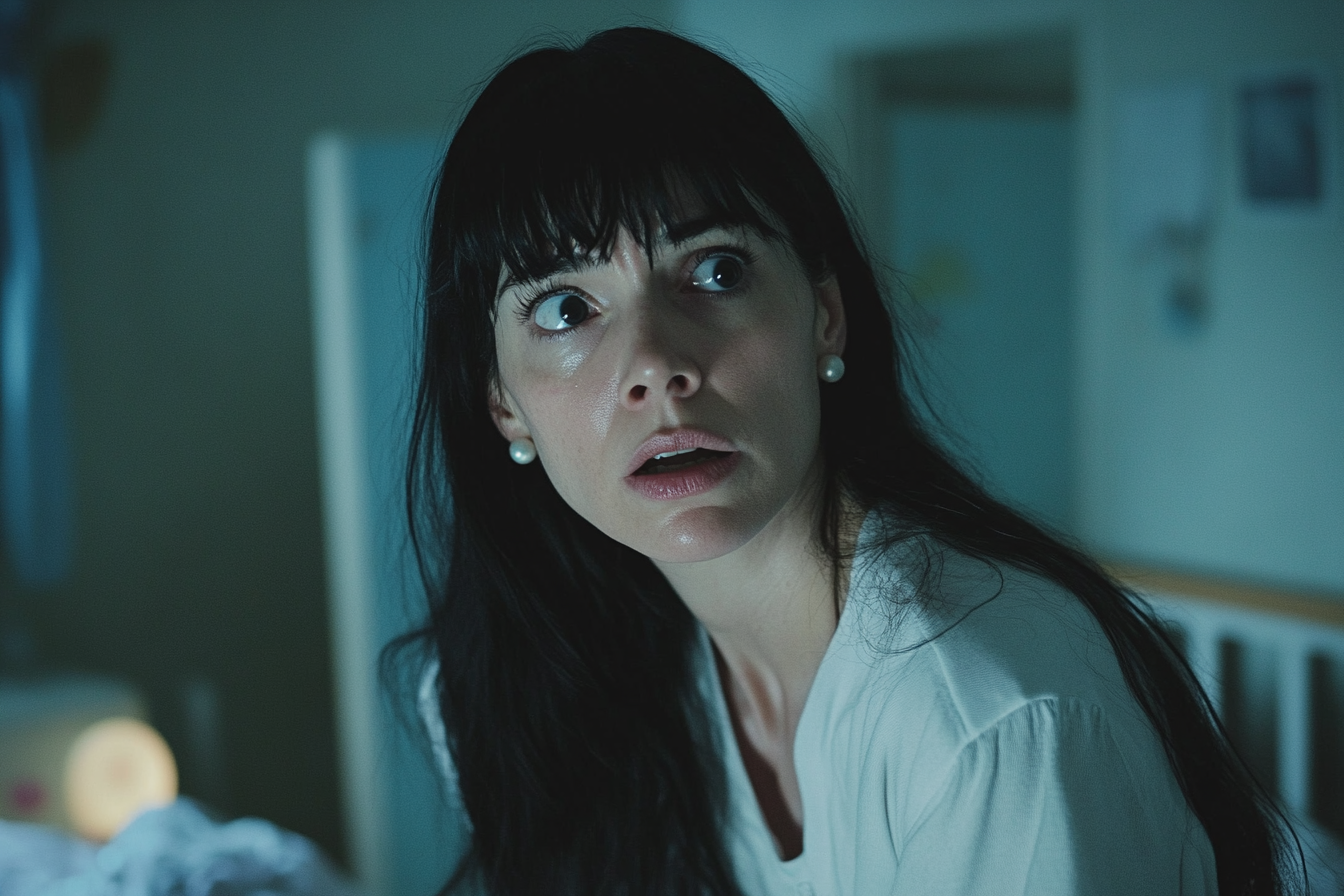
(655, 384)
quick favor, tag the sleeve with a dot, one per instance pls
(1045, 802)
(427, 701)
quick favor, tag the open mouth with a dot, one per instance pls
(672, 461)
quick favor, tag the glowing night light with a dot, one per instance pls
(116, 769)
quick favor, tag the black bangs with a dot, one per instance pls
(567, 148)
(566, 215)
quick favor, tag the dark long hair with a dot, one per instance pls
(567, 679)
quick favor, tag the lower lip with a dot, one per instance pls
(685, 482)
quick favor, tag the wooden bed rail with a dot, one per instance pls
(1320, 607)
(1263, 656)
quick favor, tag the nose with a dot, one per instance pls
(660, 363)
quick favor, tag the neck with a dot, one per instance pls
(770, 608)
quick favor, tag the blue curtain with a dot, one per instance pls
(35, 493)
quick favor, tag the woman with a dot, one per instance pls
(715, 614)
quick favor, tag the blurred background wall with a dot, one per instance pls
(179, 271)
(178, 259)
(1215, 450)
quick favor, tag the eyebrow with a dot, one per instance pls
(561, 264)
(676, 234)
(679, 232)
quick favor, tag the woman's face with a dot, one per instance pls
(672, 394)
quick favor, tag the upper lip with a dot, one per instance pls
(676, 440)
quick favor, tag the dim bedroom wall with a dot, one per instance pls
(179, 266)
(1208, 444)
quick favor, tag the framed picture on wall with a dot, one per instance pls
(1285, 142)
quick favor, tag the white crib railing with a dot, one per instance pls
(1296, 639)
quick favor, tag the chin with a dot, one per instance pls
(699, 534)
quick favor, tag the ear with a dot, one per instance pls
(504, 411)
(831, 326)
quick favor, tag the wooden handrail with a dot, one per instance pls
(1320, 607)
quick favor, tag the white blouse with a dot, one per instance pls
(984, 742)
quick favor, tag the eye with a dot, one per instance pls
(718, 273)
(561, 311)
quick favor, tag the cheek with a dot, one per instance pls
(568, 410)
(561, 419)
(569, 428)
(771, 382)
(773, 368)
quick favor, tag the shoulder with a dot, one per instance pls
(982, 666)
(1047, 800)
(1001, 638)
(431, 716)
(978, 717)
(978, 639)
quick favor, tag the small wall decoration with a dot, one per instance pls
(1282, 119)
(1164, 179)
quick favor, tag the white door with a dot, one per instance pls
(366, 206)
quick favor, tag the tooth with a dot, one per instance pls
(667, 454)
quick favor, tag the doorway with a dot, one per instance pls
(971, 155)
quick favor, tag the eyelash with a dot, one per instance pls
(535, 295)
(741, 253)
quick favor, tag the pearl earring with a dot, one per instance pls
(830, 368)
(522, 451)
